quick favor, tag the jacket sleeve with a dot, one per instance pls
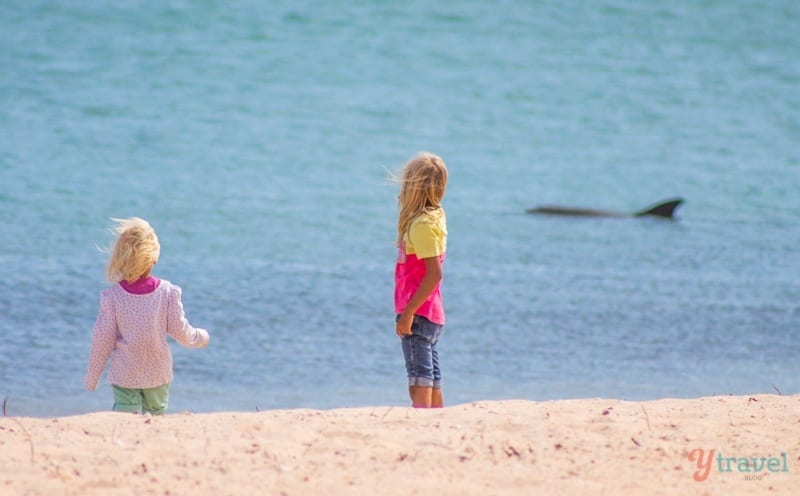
(104, 337)
(178, 326)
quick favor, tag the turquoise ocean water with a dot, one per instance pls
(257, 138)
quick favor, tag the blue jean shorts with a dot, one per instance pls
(421, 355)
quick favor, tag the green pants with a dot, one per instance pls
(153, 400)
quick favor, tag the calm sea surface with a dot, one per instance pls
(258, 137)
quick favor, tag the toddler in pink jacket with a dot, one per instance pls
(136, 314)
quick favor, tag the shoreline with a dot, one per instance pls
(711, 445)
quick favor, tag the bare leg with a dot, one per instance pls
(420, 396)
(437, 400)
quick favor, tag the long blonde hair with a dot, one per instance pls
(423, 183)
(135, 251)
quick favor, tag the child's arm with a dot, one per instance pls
(104, 337)
(433, 274)
(178, 326)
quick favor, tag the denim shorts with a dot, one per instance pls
(419, 350)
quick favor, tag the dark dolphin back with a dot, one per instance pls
(664, 209)
(573, 211)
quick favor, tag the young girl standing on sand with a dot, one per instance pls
(134, 319)
(422, 242)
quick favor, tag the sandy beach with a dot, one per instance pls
(587, 446)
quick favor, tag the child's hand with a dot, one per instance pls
(87, 382)
(404, 325)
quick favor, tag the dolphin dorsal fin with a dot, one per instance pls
(664, 209)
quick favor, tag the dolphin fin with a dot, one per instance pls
(664, 209)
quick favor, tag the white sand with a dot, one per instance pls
(571, 447)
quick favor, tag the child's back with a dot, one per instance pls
(132, 330)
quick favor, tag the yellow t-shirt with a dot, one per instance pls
(427, 235)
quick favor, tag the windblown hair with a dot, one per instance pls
(423, 183)
(135, 251)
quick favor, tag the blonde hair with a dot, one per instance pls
(423, 183)
(135, 251)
